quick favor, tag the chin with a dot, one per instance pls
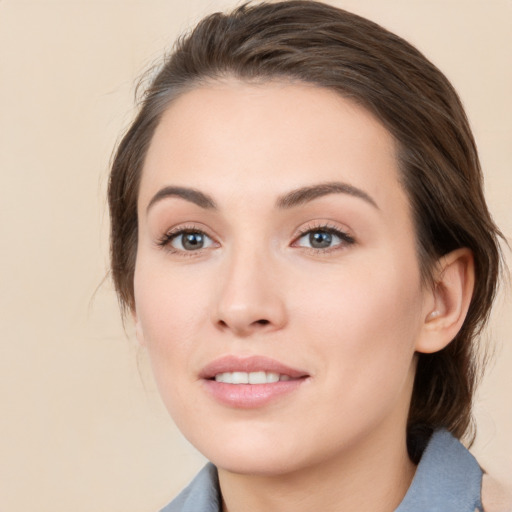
(260, 464)
(250, 454)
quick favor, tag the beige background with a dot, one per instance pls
(81, 425)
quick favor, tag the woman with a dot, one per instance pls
(300, 233)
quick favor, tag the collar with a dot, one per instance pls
(448, 479)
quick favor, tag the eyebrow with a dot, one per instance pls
(306, 194)
(189, 194)
(291, 199)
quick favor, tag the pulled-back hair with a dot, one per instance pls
(308, 41)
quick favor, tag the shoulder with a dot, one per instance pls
(496, 497)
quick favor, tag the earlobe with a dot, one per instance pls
(449, 302)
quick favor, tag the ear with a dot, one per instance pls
(139, 334)
(448, 301)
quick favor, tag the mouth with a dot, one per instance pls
(250, 382)
(250, 370)
(260, 377)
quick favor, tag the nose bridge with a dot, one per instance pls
(250, 297)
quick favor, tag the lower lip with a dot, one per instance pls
(250, 396)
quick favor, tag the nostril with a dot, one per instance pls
(262, 322)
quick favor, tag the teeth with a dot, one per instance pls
(257, 377)
(272, 377)
(240, 378)
(250, 377)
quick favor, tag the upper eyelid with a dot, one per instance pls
(189, 227)
(323, 226)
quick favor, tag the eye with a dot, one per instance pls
(186, 240)
(323, 238)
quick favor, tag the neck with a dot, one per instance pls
(374, 475)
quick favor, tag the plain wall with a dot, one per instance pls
(81, 424)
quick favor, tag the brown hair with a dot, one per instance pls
(316, 43)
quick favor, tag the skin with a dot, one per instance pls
(352, 315)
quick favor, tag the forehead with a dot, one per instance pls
(237, 137)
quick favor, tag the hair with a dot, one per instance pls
(310, 42)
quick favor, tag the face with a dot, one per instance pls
(277, 286)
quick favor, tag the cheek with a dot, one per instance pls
(169, 312)
(167, 319)
(366, 347)
(371, 299)
(368, 321)
(168, 306)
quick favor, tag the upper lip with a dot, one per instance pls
(249, 364)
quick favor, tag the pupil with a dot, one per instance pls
(193, 241)
(320, 239)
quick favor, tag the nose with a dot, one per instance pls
(251, 296)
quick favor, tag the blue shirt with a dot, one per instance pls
(447, 479)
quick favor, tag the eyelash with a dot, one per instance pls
(346, 240)
(167, 238)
